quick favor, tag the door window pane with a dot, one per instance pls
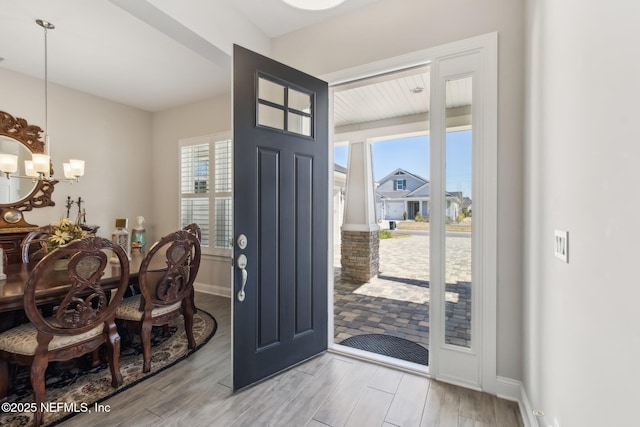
(270, 91)
(281, 107)
(300, 124)
(270, 117)
(458, 213)
(299, 101)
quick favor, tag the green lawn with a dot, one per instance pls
(424, 226)
(386, 234)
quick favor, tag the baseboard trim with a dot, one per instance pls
(223, 291)
(508, 389)
(513, 390)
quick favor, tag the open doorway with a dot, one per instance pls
(386, 313)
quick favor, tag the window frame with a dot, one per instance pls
(285, 106)
(211, 195)
(400, 182)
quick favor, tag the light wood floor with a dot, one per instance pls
(330, 390)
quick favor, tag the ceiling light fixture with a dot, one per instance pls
(313, 4)
(39, 167)
(416, 90)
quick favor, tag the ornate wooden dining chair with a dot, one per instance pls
(194, 229)
(166, 279)
(84, 320)
(36, 237)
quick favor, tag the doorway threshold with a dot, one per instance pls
(378, 359)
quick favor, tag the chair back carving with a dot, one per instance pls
(180, 259)
(87, 303)
(36, 237)
(194, 229)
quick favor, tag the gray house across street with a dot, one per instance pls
(402, 191)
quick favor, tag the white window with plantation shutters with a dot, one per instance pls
(206, 190)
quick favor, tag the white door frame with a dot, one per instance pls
(485, 179)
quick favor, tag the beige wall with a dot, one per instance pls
(394, 27)
(169, 126)
(582, 344)
(112, 138)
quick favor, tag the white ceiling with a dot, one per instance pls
(158, 54)
(150, 54)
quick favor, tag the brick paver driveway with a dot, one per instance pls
(397, 301)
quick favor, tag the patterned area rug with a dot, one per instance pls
(76, 382)
(391, 346)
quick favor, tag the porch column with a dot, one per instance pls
(360, 242)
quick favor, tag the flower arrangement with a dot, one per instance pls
(63, 232)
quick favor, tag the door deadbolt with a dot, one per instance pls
(242, 241)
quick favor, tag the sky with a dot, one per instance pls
(412, 155)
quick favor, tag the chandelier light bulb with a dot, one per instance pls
(8, 163)
(77, 167)
(41, 163)
(67, 170)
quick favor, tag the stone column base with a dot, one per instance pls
(360, 255)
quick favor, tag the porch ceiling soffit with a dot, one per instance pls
(416, 124)
(404, 126)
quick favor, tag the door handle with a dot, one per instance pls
(242, 264)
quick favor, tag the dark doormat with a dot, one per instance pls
(391, 346)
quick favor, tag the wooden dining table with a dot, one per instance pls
(54, 289)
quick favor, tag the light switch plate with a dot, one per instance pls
(561, 249)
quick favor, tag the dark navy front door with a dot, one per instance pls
(281, 174)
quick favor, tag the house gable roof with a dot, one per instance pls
(424, 191)
(401, 171)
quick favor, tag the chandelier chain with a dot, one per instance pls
(46, 92)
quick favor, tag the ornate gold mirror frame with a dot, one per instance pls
(11, 214)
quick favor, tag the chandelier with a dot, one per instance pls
(39, 167)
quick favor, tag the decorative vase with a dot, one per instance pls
(138, 236)
(121, 237)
